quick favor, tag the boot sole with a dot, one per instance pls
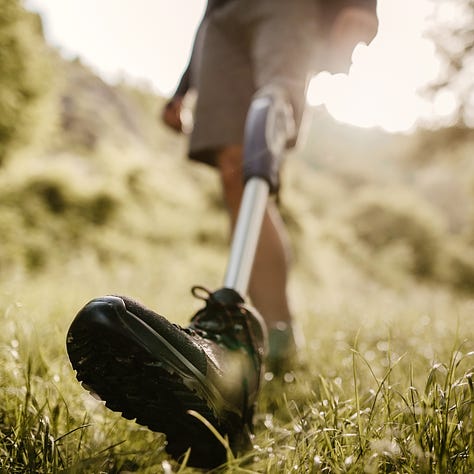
(109, 348)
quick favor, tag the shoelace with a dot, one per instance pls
(217, 319)
(218, 316)
(208, 314)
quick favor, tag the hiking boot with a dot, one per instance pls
(154, 371)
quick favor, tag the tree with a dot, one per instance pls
(453, 33)
(25, 77)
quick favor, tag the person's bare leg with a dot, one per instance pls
(268, 283)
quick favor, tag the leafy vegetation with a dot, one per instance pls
(25, 79)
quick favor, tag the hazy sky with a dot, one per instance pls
(150, 41)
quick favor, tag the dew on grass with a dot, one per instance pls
(347, 362)
(268, 376)
(369, 355)
(268, 421)
(289, 377)
(386, 447)
(317, 461)
(167, 469)
(382, 346)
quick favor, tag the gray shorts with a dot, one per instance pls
(246, 45)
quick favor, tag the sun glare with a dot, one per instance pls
(145, 41)
(383, 84)
(150, 41)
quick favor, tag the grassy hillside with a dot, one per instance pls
(383, 283)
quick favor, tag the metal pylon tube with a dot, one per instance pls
(246, 235)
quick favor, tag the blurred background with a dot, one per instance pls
(148, 42)
(97, 197)
(384, 181)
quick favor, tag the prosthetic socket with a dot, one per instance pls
(269, 126)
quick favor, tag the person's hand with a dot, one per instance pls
(171, 114)
(352, 26)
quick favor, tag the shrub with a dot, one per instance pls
(384, 218)
(459, 270)
(47, 214)
(25, 80)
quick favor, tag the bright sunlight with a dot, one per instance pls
(383, 85)
(150, 42)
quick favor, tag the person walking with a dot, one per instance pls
(170, 378)
(239, 50)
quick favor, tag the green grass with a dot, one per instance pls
(384, 383)
(384, 380)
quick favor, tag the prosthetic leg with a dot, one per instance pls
(177, 380)
(268, 128)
